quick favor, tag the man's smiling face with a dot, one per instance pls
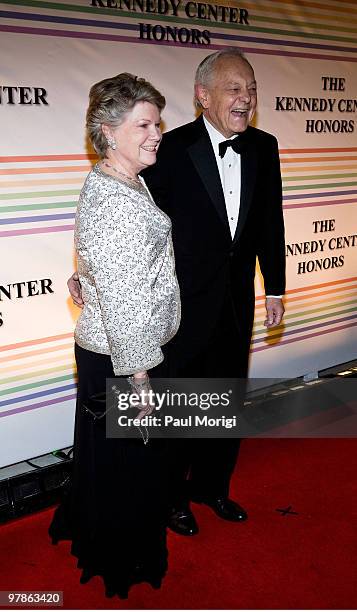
(229, 99)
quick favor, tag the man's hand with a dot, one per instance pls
(75, 290)
(275, 310)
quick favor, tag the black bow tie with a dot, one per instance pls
(238, 145)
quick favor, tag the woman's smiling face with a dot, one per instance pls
(137, 137)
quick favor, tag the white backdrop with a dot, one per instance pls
(44, 160)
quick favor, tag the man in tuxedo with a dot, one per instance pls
(219, 181)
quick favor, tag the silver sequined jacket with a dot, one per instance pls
(127, 272)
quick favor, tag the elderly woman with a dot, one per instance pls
(115, 511)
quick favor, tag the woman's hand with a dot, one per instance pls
(142, 393)
(140, 375)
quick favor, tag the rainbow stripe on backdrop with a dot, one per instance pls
(36, 373)
(38, 194)
(319, 177)
(308, 29)
(311, 311)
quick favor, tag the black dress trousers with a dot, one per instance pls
(203, 467)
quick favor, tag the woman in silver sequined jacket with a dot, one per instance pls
(116, 510)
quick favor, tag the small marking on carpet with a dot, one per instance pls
(285, 511)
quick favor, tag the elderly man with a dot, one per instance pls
(219, 181)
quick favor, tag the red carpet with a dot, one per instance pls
(304, 561)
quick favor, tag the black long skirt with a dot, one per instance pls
(115, 509)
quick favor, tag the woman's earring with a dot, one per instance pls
(111, 143)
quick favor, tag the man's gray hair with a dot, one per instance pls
(206, 68)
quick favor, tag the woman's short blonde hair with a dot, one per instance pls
(111, 99)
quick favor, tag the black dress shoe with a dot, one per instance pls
(183, 522)
(225, 508)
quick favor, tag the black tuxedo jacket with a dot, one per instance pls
(185, 183)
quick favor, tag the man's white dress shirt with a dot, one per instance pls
(229, 168)
(230, 173)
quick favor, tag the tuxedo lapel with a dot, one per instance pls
(249, 163)
(203, 158)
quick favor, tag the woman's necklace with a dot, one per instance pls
(136, 181)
